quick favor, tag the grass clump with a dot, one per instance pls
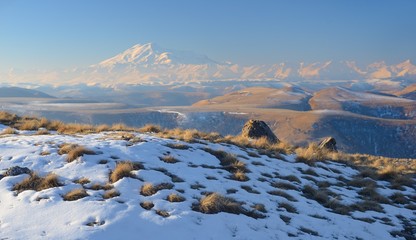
(175, 198)
(215, 203)
(148, 189)
(162, 213)
(37, 183)
(82, 181)
(77, 152)
(283, 194)
(147, 205)
(111, 194)
(288, 207)
(75, 194)
(150, 128)
(169, 159)
(9, 130)
(122, 170)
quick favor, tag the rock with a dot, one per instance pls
(257, 129)
(329, 144)
(16, 170)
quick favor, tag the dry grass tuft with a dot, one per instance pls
(42, 131)
(175, 198)
(147, 205)
(149, 189)
(111, 194)
(215, 203)
(7, 118)
(178, 146)
(240, 176)
(98, 186)
(9, 130)
(77, 152)
(123, 169)
(37, 183)
(75, 194)
(82, 181)
(312, 154)
(150, 128)
(162, 213)
(289, 207)
(169, 159)
(259, 207)
(29, 124)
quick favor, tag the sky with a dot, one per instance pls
(49, 34)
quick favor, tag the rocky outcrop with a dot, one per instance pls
(329, 144)
(256, 129)
(16, 170)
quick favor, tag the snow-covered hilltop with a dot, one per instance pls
(130, 185)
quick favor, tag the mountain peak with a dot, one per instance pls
(153, 54)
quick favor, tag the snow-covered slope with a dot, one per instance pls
(274, 201)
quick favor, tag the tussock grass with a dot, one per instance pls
(77, 152)
(259, 207)
(283, 194)
(178, 146)
(147, 205)
(98, 186)
(148, 189)
(75, 194)
(150, 128)
(8, 118)
(173, 197)
(284, 185)
(9, 130)
(29, 124)
(122, 170)
(42, 131)
(82, 181)
(162, 213)
(169, 159)
(215, 203)
(111, 194)
(288, 207)
(37, 183)
(240, 176)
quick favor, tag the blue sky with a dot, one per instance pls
(50, 34)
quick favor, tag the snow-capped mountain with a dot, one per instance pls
(151, 54)
(150, 62)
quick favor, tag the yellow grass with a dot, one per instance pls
(122, 170)
(75, 194)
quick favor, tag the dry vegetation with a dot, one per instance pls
(149, 189)
(123, 169)
(9, 130)
(396, 171)
(111, 194)
(37, 183)
(215, 203)
(173, 197)
(75, 194)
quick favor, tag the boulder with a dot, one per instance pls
(16, 170)
(329, 144)
(256, 129)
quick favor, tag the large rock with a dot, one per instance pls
(16, 170)
(256, 129)
(329, 144)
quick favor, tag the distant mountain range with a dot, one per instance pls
(151, 63)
